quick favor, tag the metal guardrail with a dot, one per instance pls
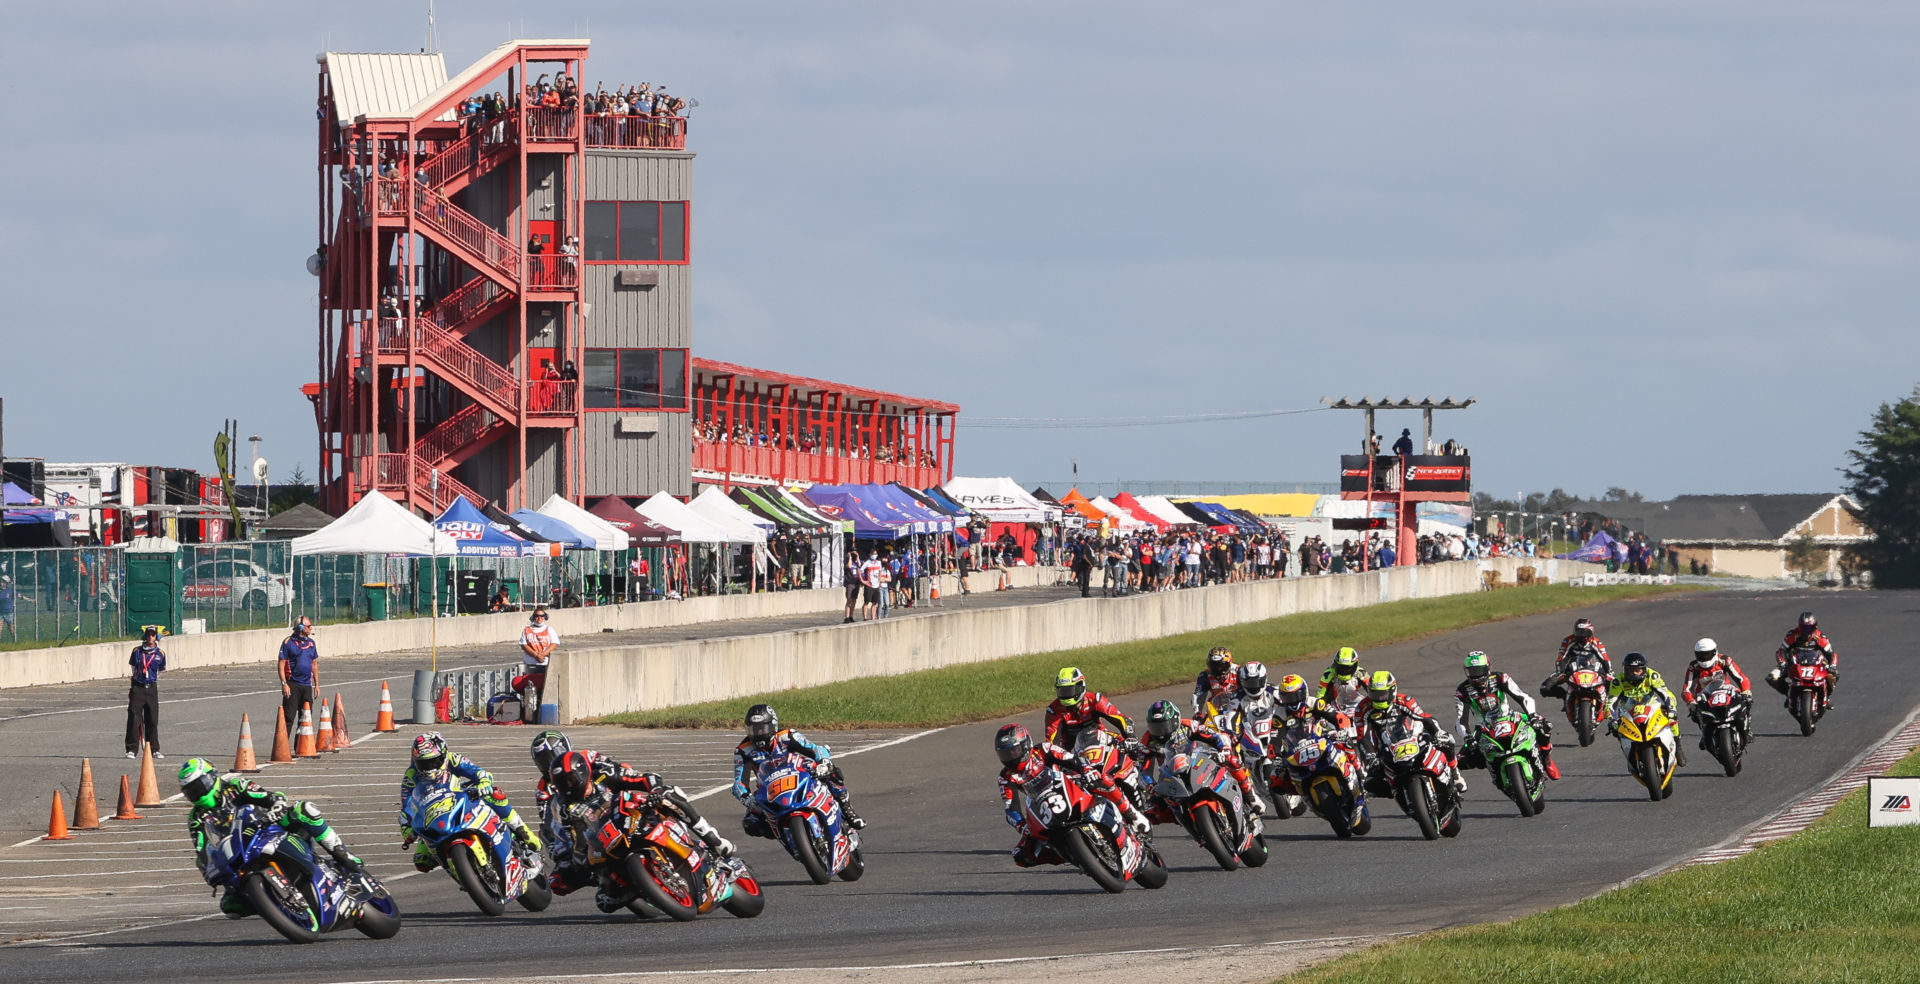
(472, 689)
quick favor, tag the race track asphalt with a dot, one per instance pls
(940, 886)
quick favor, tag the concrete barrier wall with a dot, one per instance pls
(589, 683)
(107, 660)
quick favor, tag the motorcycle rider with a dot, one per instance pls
(569, 871)
(431, 757)
(1216, 681)
(1021, 761)
(586, 783)
(1710, 663)
(1804, 633)
(1298, 705)
(1074, 710)
(1637, 684)
(767, 740)
(208, 791)
(1165, 728)
(1344, 684)
(1387, 707)
(1481, 679)
(1575, 649)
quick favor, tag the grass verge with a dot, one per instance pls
(1835, 902)
(976, 691)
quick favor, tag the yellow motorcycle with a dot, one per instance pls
(1648, 738)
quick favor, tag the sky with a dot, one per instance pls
(1668, 247)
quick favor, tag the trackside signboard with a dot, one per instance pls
(1893, 801)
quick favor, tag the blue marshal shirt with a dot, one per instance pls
(299, 654)
(147, 665)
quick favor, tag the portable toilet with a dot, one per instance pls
(154, 584)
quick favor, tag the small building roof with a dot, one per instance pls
(303, 518)
(377, 84)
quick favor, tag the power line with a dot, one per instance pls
(1159, 420)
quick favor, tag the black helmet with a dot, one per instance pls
(573, 773)
(1807, 621)
(1163, 719)
(1012, 744)
(1219, 661)
(762, 724)
(548, 746)
(1634, 668)
(1583, 629)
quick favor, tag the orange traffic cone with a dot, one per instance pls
(933, 592)
(384, 722)
(303, 746)
(57, 823)
(341, 740)
(125, 810)
(323, 731)
(243, 760)
(86, 812)
(149, 791)
(281, 751)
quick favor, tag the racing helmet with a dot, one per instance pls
(1478, 666)
(1253, 678)
(1219, 661)
(1705, 652)
(1163, 719)
(1583, 629)
(1012, 744)
(1346, 662)
(1634, 668)
(573, 774)
(199, 782)
(1807, 622)
(762, 724)
(429, 752)
(549, 745)
(1069, 685)
(1293, 691)
(1382, 689)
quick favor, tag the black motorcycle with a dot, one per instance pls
(1723, 714)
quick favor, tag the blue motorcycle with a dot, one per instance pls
(796, 807)
(301, 893)
(475, 847)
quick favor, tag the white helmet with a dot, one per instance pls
(1705, 651)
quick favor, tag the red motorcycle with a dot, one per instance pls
(1806, 682)
(1586, 700)
(640, 850)
(1089, 832)
(1108, 756)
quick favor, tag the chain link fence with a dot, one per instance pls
(61, 596)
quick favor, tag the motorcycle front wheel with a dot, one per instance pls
(537, 895)
(1583, 722)
(746, 900)
(1723, 749)
(1516, 783)
(292, 918)
(648, 876)
(804, 849)
(1420, 806)
(1803, 705)
(1073, 844)
(1650, 770)
(1207, 824)
(473, 881)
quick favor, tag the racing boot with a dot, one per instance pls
(329, 841)
(345, 859)
(719, 844)
(610, 902)
(522, 834)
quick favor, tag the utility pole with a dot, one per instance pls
(3, 471)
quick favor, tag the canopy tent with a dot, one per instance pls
(940, 498)
(1221, 516)
(296, 521)
(942, 506)
(769, 510)
(376, 525)
(800, 507)
(1160, 506)
(1040, 492)
(691, 526)
(1248, 521)
(856, 503)
(640, 531)
(553, 529)
(1598, 549)
(741, 525)
(475, 535)
(829, 546)
(1078, 503)
(1122, 519)
(1125, 500)
(899, 502)
(17, 496)
(499, 517)
(1000, 500)
(605, 535)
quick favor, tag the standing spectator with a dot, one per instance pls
(965, 566)
(1387, 556)
(870, 585)
(299, 676)
(143, 697)
(537, 643)
(633, 577)
(1404, 446)
(851, 576)
(7, 598)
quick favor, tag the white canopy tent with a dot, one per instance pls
(605, 535)
(692, 527)
(714, 506)
(1000, 500)
(377, 525)
(1122, 519)
(1161, 506)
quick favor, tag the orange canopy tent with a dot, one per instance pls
(1078, 503)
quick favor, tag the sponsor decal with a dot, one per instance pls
(1891, 800)
(463, 530)
(1436, 473)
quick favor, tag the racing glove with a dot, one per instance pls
(1014, 819)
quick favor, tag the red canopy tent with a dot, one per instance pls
(1125, 500)
(643, 532)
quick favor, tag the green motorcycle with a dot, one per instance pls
(1506, 742)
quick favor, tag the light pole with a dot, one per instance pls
(433, 582)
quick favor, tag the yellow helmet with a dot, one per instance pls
(1293, 690)
(1069, 685)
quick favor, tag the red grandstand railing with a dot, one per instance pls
(471, 423)
(549, 125)
(782, 465)
(433, 209)
(553, 271)
(639, 132)
(550, 397)
(467, 153)
(457, 310)
(452, 357)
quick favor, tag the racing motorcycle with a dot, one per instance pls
(300, 892)
(795, 807)
(1586, 699)
(638, 848)
(1088, 831)
(1253, 733)
(1721, 715)
(1505, 739)
(1110, 757)
(475, 847)
(1193, 782)
(1416, 774)
(1647, 739)
(1806, 685)
(1328, 772)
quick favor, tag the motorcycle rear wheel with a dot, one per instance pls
(473, 881)
(1207, 825)
(1420, 799)
(1153, 871)
(1583, 722)
(746, 901)
(258, 895)
(1516, 777)
(537, 896)
(641, 875)
(803, 848)
(379, 918)
(856, 866)
(1073, 845)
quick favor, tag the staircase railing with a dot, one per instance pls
(456, 310)
(432, 209)
(454, 358)
(454, 433)
(465, 154)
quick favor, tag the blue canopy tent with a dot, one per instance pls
(553, 529)
(872, 520)
(474, 535)
(1216, 515)
(944, 501)
(899, 503)
(1598, 549)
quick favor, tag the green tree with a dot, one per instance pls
(1807, 558)
(1885, 480)
(295, 493)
